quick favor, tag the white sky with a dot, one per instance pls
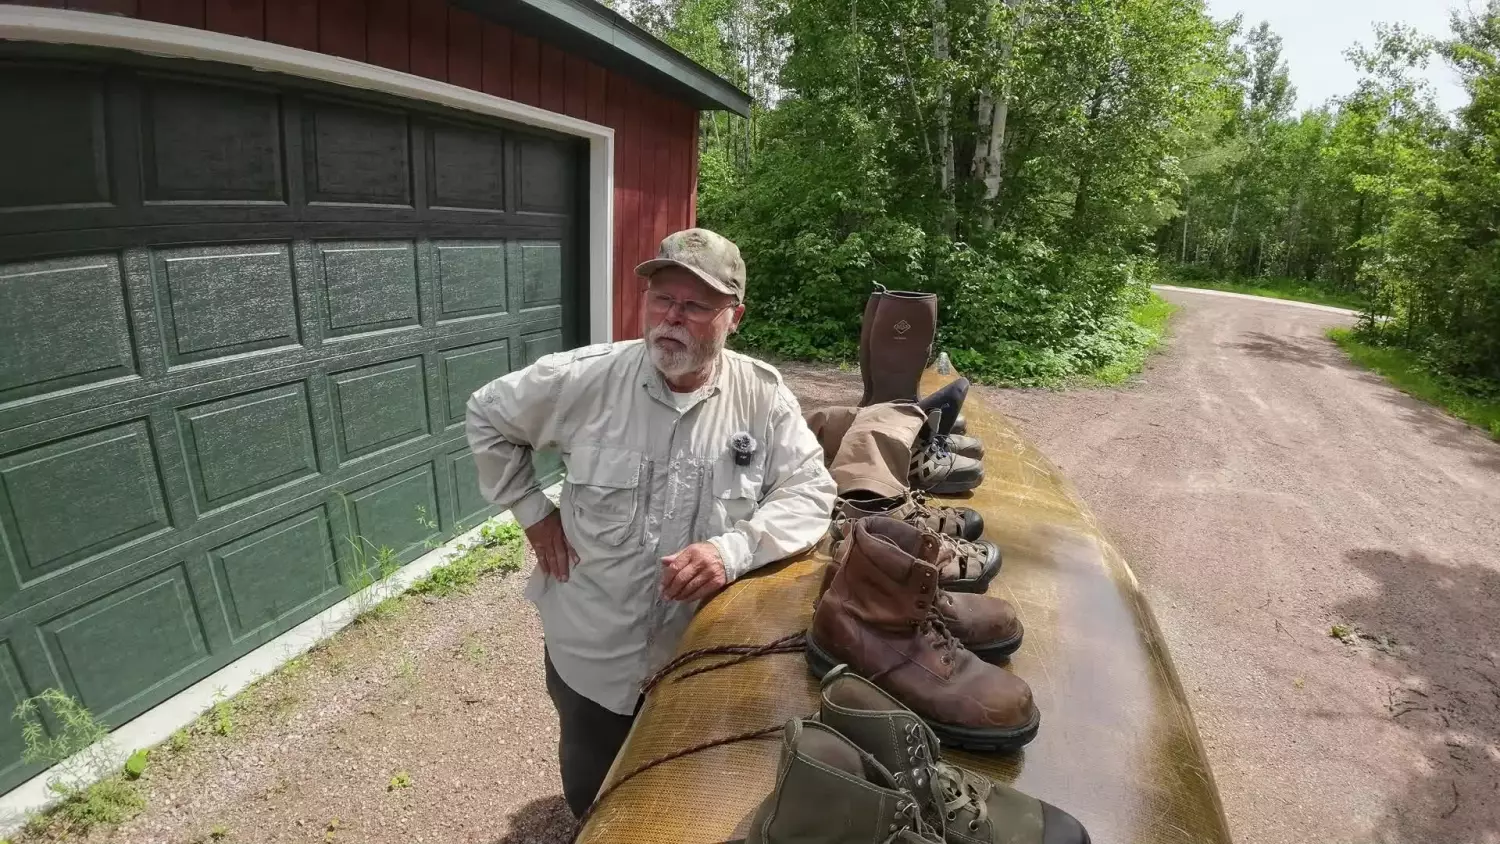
(1314, 34)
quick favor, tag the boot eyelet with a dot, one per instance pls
(952, 816)
(973, 826)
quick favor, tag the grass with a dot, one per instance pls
(1407, 373)
(1274, 288)
(108, 802)
(1151, 318)
(498, 548)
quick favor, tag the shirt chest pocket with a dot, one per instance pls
(604, 492)
(736, 490)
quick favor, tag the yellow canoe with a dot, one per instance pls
(1117, 748)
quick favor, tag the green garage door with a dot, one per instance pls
(239, 320)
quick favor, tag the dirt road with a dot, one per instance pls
(1266, 490)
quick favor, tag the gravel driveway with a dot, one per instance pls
(1265, 490)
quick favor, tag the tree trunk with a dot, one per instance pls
(989, 147)
(1187, 219)
(945, 105)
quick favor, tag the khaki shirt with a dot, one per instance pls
(645, 479)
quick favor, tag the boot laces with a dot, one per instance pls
(943, 639)
(952, 789)
(909, 827)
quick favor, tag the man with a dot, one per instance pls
(688, 465)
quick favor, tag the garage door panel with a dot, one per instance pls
(545, 182)
(471, 279)
(378, 407)
(211, 142)
(77, 498)
(248, 444)
(368, 286)
(388, 513)
(466, 369)
(62, 159)
(118, 646)
(12, 692)
(269, 580)
(219, 301)
(67, 324)
(356, 154)
(538, 265)
(465, 167)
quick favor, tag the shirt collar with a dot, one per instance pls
(656, 386)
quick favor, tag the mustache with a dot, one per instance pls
(672, 332)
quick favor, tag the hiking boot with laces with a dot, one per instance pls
(914, 509)
(880, 616)
(972, 808)
(936, 469)
(989, 627)
(963, 566)
(829, 791)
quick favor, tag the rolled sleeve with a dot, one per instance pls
(505, 420)
(794, 511)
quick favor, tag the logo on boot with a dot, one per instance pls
(901, 328)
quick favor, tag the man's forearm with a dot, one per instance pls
(790, 520)
(506, 476)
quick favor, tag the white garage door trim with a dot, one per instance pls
(57, 26)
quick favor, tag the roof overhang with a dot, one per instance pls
(590, 29)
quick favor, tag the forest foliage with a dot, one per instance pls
(1038, 162)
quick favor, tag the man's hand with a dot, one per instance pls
(553, 552)
(692, 573)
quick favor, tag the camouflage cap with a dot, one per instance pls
(710, 256)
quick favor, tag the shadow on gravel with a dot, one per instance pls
(1443, 430)
(1432, 629)
(545, 820)
(1307, 351)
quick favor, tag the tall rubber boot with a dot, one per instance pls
(895, 343)
(871, 304)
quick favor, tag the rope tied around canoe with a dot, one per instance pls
(794, 643)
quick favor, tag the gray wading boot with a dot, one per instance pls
(950, 400)
(936, 469)
(972, 808)
(828, 791)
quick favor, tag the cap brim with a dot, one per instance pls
(646, 268)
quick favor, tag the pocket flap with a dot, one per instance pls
(731, 481)
(606, 466)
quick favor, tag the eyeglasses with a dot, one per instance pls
(692, 311)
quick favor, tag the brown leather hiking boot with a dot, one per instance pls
(987, 626)
(880, 616)
(914, 508)
(963, 566)
(829, 791)
(894, 343)
(936, 469)
(971, 807)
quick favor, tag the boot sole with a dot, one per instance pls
(998, 650)
(956, 487)
(979, 740)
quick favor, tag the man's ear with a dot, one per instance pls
(734, 323)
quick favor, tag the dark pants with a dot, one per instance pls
(591, 736)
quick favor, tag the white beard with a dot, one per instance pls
(675, 363)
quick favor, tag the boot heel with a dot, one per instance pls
(819, 663)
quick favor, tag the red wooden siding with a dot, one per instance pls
(656, 138)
